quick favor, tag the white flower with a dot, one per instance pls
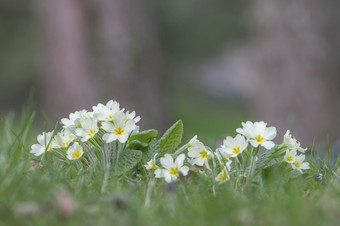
(75, 151)
(290, 156)
(223, 176)
(132, 116)
(89, 129)
(219, 157)
(74, 121)
(234, 146)
(299, 164)
(63, 139)
(221, 154)
(258, 134)
(172, 169)
(106, 112)
(152, 163)
(291, 143)
(192, 141)
(199, 154)
(44, 140)
(119, 129)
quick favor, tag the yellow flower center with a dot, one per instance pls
(76, 154)
(49, 149)
(204, 154)
(223, 176)
(78, 126)
(173, 171)
(297, 165)
(289, 158)
(91, 133)
(152, 165)
(110, 117)
(259, 138)
(227, 157)
(64, 144)
(119, 131)
(236, 150)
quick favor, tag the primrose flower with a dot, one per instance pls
(172, 169)
(89, 128)
(152, 163)
(63, 139)
(74, 121)
(223, 176)
(221, 154)
(193, 141)
(290, 156)
(199, 154)
(258, 134)
(291, 143)
(106, 112)
(234, 146)
(119, 129)
(132, 116)
(299, 164)
(75, 151)
(44, 140)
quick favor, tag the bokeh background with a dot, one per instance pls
(211, 63)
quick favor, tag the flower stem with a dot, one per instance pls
(117, 156)
(106, 176)
(252, 163)
(107, 167)
(181, 149)
(149, 191)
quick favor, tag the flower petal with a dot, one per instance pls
(268, 144)
(184, 170)
(167, 161)
(180, 160)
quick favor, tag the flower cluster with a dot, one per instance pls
(236, 157)
(291, 157)
(84, 131)
(109, 135)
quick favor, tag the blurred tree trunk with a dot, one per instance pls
(66, 84)
(133, 64)
(295, 55)
(132, 68)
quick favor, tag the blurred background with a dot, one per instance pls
(211, 63)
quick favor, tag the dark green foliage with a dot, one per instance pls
(154, 147)
(127, 160)
(144, 136)
(172, 138)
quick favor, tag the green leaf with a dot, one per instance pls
(264, 159)
(154, 147)
(127, 160)
(144, 136)
(137, 145)
(172, 137)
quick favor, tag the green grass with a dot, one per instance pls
(46, 190)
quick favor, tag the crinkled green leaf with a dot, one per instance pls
(154, 147)
(264, 159)
(137, 145)
(172, 137)
(144, 136)
(127, 160)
